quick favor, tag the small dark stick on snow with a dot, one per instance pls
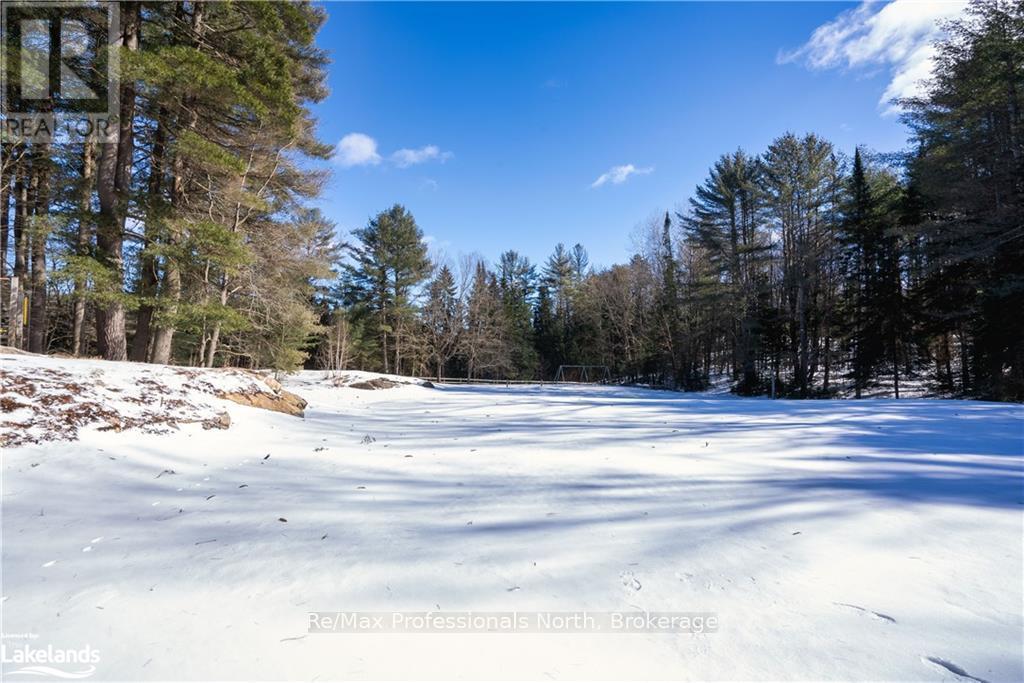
(281, 519)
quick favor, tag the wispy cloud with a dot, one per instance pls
(404, 158)
(357, 149)
(897, 35)
(429, 184)
(617, 175)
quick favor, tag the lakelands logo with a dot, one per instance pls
(60, 62)
(29, 660)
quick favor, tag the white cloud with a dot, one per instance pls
(897, 35)
(405, 158)
(357, 149)
(617, 175)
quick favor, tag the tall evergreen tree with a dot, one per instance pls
(388, 264)
(442, 317)
(862, 235)
(517, 282)
(969, 169)
(727, 220)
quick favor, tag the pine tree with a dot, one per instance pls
(559, 277)
(442, 317)
(668, 306)
(727, 220)
(389, 262)
(801, 180)
(484, 344)
(862, 236)
(969, 168)
(517, 282)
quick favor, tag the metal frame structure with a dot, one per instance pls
(604, 373)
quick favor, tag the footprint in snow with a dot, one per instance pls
(630, 581)
(951, 668)
(874, 615)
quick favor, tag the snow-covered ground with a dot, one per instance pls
(832, 540)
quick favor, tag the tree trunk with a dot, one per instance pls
(164, 333)
(965, 376)
(384, 338)
(5, 217)
(215, 336)
(17, 316)
(82, 243)
(163, 336)
(828, 364)
(148, 276)
(40, 234)
(398, 347)
(113, 186)
(895, 372)
(949, 361)
(802, 338)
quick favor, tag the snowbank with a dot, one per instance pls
(52, 399)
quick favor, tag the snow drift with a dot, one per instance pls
(51, 399)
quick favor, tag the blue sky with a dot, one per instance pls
(494, 123)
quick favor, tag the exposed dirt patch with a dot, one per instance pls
(374, 383)
(258, 390)
(378, 383)
(281, 402)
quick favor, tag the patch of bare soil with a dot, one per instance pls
(376, 383)
(263, 391)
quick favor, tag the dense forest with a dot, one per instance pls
(818, 271)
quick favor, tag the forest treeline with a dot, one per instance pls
(815, 270)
